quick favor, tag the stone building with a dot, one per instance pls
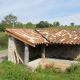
(25, 45)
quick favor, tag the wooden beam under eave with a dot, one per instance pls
(25, 41)
(26, 54)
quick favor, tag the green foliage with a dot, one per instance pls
(56, 24)
(2, 27)
(73, 68)
(46, 24)
(3, 40)
(29, 25)
(50, 25)
(51, 70)
(42, 24)
(18, 25)
(53, 74)
(65, 27)
(10, 71)
(10, 20)
(33, 26)
(72, 24)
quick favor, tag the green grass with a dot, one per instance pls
(57, 27)
(33, 26)
(66, 27)
(11, 71)
(3, 41)
(73, 73)
(2, 34)
(3, 48)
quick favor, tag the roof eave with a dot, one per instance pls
(17, 37)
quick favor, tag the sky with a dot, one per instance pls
(64, 11)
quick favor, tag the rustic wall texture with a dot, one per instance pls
(63, 51)
(20, 46)
(35, 52)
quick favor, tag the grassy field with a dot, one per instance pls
(33, 26)
(3, 41)
(10, 71)
(2, 34)
(66, 27)
(57, 27)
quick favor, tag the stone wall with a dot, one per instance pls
(63, 51)
(35, 52)
(11, 48)
(20, 47)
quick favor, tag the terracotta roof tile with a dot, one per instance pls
(45, 36)
(61, 35)
(29, 35)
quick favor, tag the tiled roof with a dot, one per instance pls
(46, 36)
(29, 36)
(68, 36)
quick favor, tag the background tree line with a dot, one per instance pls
(10, 21)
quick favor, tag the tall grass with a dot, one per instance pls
(3, 40)
(11, 71)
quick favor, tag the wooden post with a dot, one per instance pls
(26, 54)
(43, 51)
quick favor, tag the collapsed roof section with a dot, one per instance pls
(34, 37)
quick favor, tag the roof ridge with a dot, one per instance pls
(42, 35)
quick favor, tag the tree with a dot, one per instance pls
(50, 25)
(57, 23)
(42, 24)
(18, 25)
(46, 24)
(29, 25)
(2, 27)
(9, 20)
(54, 24)
(72, 24)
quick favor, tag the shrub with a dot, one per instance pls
(11, 71)
(73, 68)
(4, 41)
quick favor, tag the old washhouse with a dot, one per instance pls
(28, 45)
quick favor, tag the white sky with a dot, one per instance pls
(64, 11)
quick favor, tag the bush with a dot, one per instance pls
(4, 41)
(11, 71)
(73, 68)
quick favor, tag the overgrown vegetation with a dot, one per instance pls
(11, 71)
(3, 40)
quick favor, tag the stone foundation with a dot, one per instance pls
(55, 63)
